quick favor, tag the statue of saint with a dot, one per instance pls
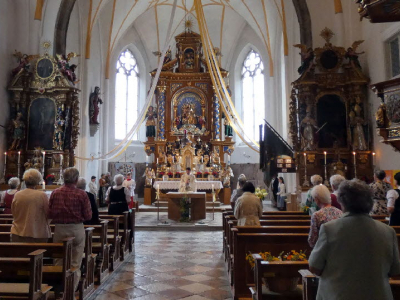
(381, 118)
(151, 122)
(150, 175)
(188, 115)
(37, 160)
(308, 126)
(226, 176)
(228, 128)
(358, 122)
(94, 110)
(18, 128)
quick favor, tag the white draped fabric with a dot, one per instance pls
(200, 185)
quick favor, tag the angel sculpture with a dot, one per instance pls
(307, 56)
(65, 68)
(24, 62)
(352, 55)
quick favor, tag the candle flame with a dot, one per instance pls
(5, 153)
(354, 153)
(325, 152)
(373, 153)
(305, 154)
(19, 152)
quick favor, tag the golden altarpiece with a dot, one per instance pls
(44, 116)
(329, 114)
(188, 121)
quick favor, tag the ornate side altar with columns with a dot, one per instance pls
(44, 115)
(329, 114)
(184, 130)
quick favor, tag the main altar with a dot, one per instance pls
(185, 127)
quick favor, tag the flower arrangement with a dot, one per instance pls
(161, 174)
(170, 174)
(267, 256)
(215, 173)
(206, 174)
(8, 177)
(50, 177)
(261, 193)
(199, 174)
(178, 175)
(305, 209)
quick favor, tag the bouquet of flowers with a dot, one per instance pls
(261, 193)
(215, 173)
(267, 256)
(206, 174)
(161, 174)
(178, 175)
(305, 208)
(170, 174)
(199, 174)
(50, 177)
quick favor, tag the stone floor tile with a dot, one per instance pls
(198, 269)
(131, 293)
(165, 268)
(162, 276)
(109, 296)
(196, 297)
(217, 294)
(139, 281)
(150, 297)
(118, 286)
(175, 294)
(196, 288)
(197, 277)
(156, 287)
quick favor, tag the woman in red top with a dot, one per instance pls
(335, 181)
(8, 196)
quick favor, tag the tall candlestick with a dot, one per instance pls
(5, 158)
(325, 156)
(219, 160)
(229, 160)
(5, 166)
(373, 159)
(212, 187)
(326, 182)
(306, 182)
(157, 161)
(19, 164)
(44, 158)
(202, 159)
(355, 165)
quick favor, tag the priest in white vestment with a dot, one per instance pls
(188, 182)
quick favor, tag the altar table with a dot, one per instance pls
(197, 207)
(200, 185)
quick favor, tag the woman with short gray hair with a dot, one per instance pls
(238, 192)
(315, 180)
(118, 197)
(379, 190)
(355, 255)
(29, 209)
(81, 184)
(71, 175)
(8, 196)
(335, 181)
(327, 212)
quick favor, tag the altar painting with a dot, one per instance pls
(42, 115)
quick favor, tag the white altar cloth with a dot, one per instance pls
(200, 185)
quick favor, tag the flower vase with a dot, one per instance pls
(49, 181)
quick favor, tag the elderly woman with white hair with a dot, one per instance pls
(118, 197)
(327, 212)
(315, 180)
(8, 196)
(335, 181)
(29, 209)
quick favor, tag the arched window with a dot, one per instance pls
(126, 94)
(253, 94)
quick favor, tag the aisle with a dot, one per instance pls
(171, 265)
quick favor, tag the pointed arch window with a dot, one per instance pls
(253, 101)
(126, 94)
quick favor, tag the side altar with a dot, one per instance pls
(185, 127)
(44, 116)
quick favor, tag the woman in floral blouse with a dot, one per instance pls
(327, 212)
(379, 190)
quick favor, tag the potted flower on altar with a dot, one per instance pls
(170, 174)
(215, 174)
(50, 179)
(206, 174)
(161, 174)
(178, 175)
(199, 174)
(279, 284)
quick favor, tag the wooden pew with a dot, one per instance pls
(123, 231)
(86, 284)
(244, 243)
(278, 269)
(58, 276)
(114, 240)
(31, 264)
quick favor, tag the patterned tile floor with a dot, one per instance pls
(171, 265)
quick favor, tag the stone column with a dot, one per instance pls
(161, 112)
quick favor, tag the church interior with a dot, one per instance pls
(183, 104)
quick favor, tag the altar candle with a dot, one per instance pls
(212, 187)
(202, 159)
(157, 161)
(373, 158)
(305, 158)
(325, 156)
(173, 159)
(229, 159)
(354, 158)
(5, 158)
(219, 160)
(19, 156)
(158, 189)
(43, 185)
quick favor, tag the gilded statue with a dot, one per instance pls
(188, 114)
(37, 160)
(307, 56)
(226, 176)
(308, 126)
(357, 122)
(28, 164)
(151, 115)
(94, 109)
(150, 175)
(18, 132)
(381, 118)
(352, 55)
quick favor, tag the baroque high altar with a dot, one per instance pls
(187, 128)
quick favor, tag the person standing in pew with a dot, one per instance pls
(118, 197)
(327, 212)
(8, 196)
(29, 209)
(335, 181)
(394, 202)
(95, 212)
(248, 208)
(237, 193)
(69, 207)
(380, 188)
(281, 194)
(355, 255)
